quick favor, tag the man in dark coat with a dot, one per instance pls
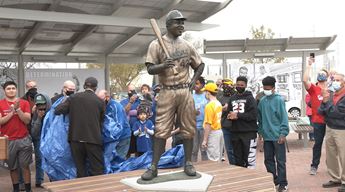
(86, 112)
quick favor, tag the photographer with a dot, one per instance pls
(131, 104)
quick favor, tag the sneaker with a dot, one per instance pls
(39, 185)
(282, 188)
(342, 188)
(313, 171)
(330, 184)
(223, 159)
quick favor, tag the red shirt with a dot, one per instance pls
(316, 99)
(14, 128)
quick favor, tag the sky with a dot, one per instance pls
(297, 18)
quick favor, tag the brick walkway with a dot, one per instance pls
(298, 163)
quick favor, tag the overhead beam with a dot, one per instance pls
(75, 18)
(277, 54)
(328, 43)
(136, 31)
(90, 29)
(37, 27)
(286, 44)
(245, 45)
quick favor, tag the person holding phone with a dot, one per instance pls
(273, 128)
(317, 120)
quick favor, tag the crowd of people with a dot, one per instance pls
(228, 120)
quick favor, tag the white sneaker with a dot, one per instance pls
(282, 188)
(313, 171)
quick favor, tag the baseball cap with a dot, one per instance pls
(40, 99)
(91, 82)
(211, 87)
(228, 82)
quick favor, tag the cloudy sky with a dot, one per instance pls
(297, 18)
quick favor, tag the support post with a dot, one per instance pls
(21, 76)
(106, 74)
(303, 105)
(225, 67)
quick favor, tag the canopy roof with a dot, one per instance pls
(89, 30)
(279, 47)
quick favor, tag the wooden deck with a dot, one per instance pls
(226, 178)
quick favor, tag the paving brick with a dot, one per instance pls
(298, 165)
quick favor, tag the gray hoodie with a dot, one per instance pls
(36, 121)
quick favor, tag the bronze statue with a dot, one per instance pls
(175, 98)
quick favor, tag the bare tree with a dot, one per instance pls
(121, 75)
(263, 33)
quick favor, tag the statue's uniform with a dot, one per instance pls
(175, 97)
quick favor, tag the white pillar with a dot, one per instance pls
(303, 104)
(224, 67)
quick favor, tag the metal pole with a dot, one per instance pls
(225, 67)
(21, 76)
(303, 105)
(106, 74)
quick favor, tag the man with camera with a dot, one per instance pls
(131, 104)
(317, 120)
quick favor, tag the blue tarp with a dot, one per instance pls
(57, 161)
(170, 159)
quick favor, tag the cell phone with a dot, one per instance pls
(312, 55)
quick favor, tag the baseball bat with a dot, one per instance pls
(158, 34)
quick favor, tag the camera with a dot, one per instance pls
(131, 93)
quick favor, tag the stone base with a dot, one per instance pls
(164, 182)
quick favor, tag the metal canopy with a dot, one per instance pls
(280, 47)
(90, 30)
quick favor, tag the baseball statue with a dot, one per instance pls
(171, 58)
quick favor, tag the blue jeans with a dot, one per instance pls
(228, 146)
(311, 135)
(197, 142)
(319, 134)
(122, 147)
(275, 161)
(38, 161)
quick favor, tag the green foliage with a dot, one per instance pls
(121, 75)
(263, 33)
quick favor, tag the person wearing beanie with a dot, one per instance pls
(273, 128)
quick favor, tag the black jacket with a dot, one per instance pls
(226, 123)
(86, 112)
(56, 97)
(334, 114)
(246, 107)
